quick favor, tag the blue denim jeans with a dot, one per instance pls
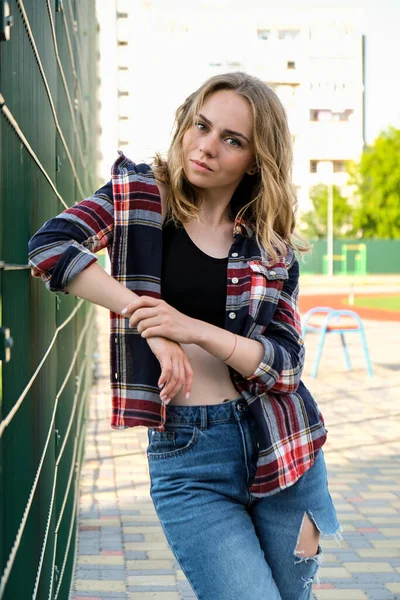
(230, 544)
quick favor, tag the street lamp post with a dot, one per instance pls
(329, 232)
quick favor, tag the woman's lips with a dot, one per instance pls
(199, 166)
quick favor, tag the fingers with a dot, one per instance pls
(175, 375)
(187, 388)
(174, 382)
(140, 315)
(166, 372)
(146, 324)
(179, 373)
(139, 302)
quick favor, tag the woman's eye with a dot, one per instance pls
(233, 142)
(201, 126)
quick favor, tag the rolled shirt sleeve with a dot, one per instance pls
(282, 365)
(66, 244)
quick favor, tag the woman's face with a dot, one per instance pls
(218, 148)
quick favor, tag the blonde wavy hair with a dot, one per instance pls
(264, 201)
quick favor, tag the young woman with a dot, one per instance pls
(205, 340)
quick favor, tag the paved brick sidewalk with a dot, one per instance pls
(122, 549)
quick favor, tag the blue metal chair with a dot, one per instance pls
(335, 321)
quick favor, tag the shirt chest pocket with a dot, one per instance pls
(266, 284)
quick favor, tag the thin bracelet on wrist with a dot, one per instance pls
(234, 348)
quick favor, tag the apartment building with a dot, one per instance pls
(314, 59)
(316, 66)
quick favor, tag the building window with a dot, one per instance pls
(340, 166)
(326, 114)
(264, 34)
(313, 166)
(291, 64)
(288, 34)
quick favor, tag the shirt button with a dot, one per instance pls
(235, 280)
(234, 254)
(272, 272)
(232, 315)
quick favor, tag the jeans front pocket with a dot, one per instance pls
(171, 442)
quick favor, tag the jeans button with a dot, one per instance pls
(241, 406)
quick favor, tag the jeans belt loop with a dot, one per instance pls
(203, 415)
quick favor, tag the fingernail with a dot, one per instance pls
(187, 396)
(163, 398)
(167, 401)
(124, 311)
(161, 386)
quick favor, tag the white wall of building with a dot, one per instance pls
(108, 92)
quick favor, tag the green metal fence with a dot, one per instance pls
(48, 132)
(380, 257)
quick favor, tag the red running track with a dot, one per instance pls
(339, 301)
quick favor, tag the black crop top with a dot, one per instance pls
(191, 281)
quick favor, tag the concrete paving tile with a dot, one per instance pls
(159, 545)
(390, 532)
(344, 594)
(159, 554)
(153, 596)
(151, 581)
(379, 553)
(101, 522)
(368, 567)
(101, 586)
(329, 573)
(386, 543)
(147, 565)
(136, 555)
(89, 559)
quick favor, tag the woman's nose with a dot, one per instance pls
(209, 145)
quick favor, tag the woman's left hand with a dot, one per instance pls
(154, 317)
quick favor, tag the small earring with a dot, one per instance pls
(253, 171)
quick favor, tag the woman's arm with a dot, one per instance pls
(274, 357)
(63, 247)
(61, 253)
(96, 285)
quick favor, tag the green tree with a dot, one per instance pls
(377, 181)
(314, 223)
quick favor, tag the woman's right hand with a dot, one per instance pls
(176, 371)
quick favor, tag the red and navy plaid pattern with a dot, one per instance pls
(124, 216)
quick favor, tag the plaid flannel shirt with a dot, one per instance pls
(125, 217)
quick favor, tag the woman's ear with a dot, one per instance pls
(253, 170)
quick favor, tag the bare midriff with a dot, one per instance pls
(211, 381)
